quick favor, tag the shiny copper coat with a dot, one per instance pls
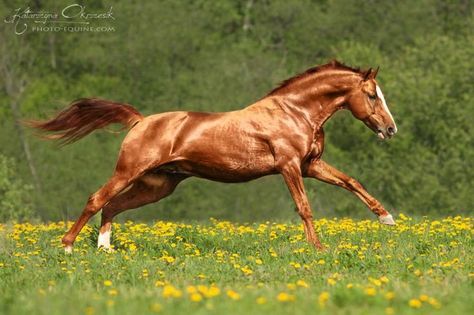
(281, 133)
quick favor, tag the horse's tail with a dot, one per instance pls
(84, 116)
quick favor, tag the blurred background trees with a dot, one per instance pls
(223, 55)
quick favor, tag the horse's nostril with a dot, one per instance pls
(390, 131)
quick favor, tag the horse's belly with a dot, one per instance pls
(228, 175)
(229, 167)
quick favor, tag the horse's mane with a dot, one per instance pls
(332, 65)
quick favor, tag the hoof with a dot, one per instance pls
(322, 248)
(386, 219)
(106, 249)
(68, 249)
(319, 247)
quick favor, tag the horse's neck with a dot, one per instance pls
(320, 100)
(321, 112)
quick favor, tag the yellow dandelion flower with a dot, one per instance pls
(295, 265)
(285, 297)
(291, 286)
(403, 217)
(370, 291)
(89, 310)
(212, 292)
(375, 282)
(331, 281)
(246, 270)
(107, 283)
(384, 279)
(323, 298)
(389, 311)
(170, 291)
(414, 303)
(390, 295)
(233, 295)
(168, 259)
(261, 300)
(195, 297)
(433, 302)
(112, 292)
(424, 298)
(302, 283)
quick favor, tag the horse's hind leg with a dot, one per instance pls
(95, 202)
(147, 189)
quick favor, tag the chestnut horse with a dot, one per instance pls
(281, 133)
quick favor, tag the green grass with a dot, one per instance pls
(367, 269)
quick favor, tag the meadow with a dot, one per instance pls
(420, 266)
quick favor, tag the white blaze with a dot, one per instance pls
(384, 104)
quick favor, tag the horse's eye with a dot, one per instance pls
(373, 97)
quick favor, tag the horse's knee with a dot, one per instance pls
(353, 184)
(93, 205)
(90, 211)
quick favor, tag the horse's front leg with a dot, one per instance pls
(326, 173)
(294, 180)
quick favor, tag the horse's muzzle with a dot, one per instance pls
(387, 133)
(391, 131)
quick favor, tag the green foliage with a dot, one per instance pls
(219, 56)
(15, 197)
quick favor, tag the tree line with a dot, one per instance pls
(223, 55)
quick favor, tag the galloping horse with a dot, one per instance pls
(282, 133)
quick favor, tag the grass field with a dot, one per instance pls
(420, 266)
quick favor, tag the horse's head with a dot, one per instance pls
(366, 102)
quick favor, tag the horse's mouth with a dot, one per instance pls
(384, 135)
(383, 132)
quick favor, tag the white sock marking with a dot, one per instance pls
(104, 240)
(68, 249)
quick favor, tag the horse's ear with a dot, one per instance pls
(367, 74)
(376, 71)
